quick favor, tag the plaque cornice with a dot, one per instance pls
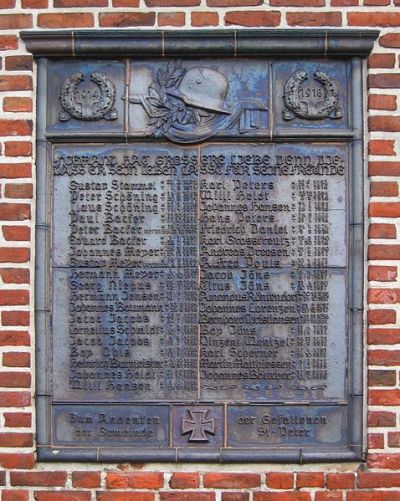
(228, 43)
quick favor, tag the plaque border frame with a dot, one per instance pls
(348, 44)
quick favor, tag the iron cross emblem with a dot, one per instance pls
(198, 425)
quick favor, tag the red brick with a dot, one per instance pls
(172, 3)
(13, 297)
(282, 496)
(14, 276)
(384, 123)
(184, 480)
(384, 189)
(381, 378)
(171, 18)
(382, 60)
(297, 3)
(18, 419)
(17, 461)
(370, 480)
(252, 18)
(384, 461)
(381, 419)
(186, 496)
(124, 19)
(17, 104)
(382, 273)
(384, 397)
(14, 212)
(15, 170)
(381, 230)
(73, 20)
(384, 336)
(2, 478)
(328, 496)
(235, 3)
(135, 480)
(373, 18)
(16, 439)
(13, 255)
(382, 102)
(15, 21)
(86, 479)
(394, 439)
(375, 441)
(14, 338)
(381, 147)
(384, 357)
(314, 18)
(384, 80)
(200, 19)
(373, 496)
(383, 296)
(7, 4)
(381, 317)
(17, 233)
(80, 3)
(62, 496)
(15, 127)
(18, 148)
(125, 3)
(15, 379)
(35, 4)
(384, 168)
(16, 359)
(40, 478)
(390, 40)
(310, 479)
(235, 496)
(381, 251)
(340, 481)
(15, 82)
(376, 2)
(280, 480)
(14, 318)
(15, 495)
(20, 190)
(344, 3)
(19, 63)
(231, 480)
(125, 496)
(15, 399)
(8, 42)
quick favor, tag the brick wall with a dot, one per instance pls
(21, 477)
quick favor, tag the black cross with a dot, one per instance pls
(198, 425)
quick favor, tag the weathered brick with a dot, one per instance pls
(381, 378)
(280, 480)
(384, 80)
(384, 461)
(297, 3)
(384, 168)
(384, 189)
(187, 496)
(20, 190)
(344, 3)
(70, 20)
(375, 441)
(7, 4)
(394, 439)
(235, 496)
(172, 3)
(370, 480)
(381, 147)
(340, 481)
(124, 19)
(15, 398)
(19, 63)
(382, 60)
(383, 296)
(16, 359)
(14, 212)
(86, 479)
(80, 3)
(382, 230)
(328, 496)
(180, 480)
(17, 419)
(16, 439)
(14, 255)
(384, 336)
(14, 275)
(126, 3)
(8, 42)
(39, 478)
(282, 496)
(373, 496)
(34, 4)
(14, 82)
(15, 127)
(15, 21)
(17, 104)
(17, 461)
(384, 397)
(18, 148)
(15, 379)
(135, 480)
(13, 297)
(381, 251)
(382, 273)
(252, 18)
(231, 480)
(381, 419)
(14, 338)
(381, 317)
(384, 357)
(171, 18)
(201, 19)
(17, 233)
(15, 318)
(314, 18)
(384, 123)
(373, 18)
(382, 102)
(126, 496)
(310, 479)
(376, 2)
(15, 170)
(235, 3)
(63, 496)
(390, 40)
(15, 495)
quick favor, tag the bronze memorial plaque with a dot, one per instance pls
(200, 246)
